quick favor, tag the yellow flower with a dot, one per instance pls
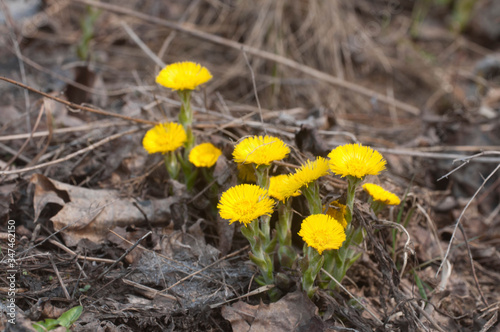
(307, 173)
(183, 76)
(260, 150)
(381, 195)
(245, 203)
(246, 173)
(276, 183)
(204, 155)
(164, 137)
(336, 210)
(356, 160)
(322, 232)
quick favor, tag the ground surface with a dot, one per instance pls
(419, 81)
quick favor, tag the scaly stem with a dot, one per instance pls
(259, 256)
(172, 164)
(311, 193)
(338, 261)
(310, 265)
(186, 119)
(286, 253)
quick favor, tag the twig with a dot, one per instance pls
(259, 290)
(471, 260)
(465, 160)
(72, 155)
(173, 34)
(454, 156)
(73, 105)
(152, 292)
(124, 255)
(206, 267)
(91, 125)
(17, 50)
(87, 258)
(252, 74)
(352, 296)
(63, 286)
(406, 247)
(461, 215)
(141, 44)
(429, 318)
(13, 152)
(259, 53)
(21, 149)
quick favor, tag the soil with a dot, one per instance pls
(99, 222)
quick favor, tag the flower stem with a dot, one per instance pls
(186, 118)
(310, 265)
(172, 164)
(286, 253)
(258, 255)
(337, 262)
(311, 193)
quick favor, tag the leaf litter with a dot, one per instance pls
(86, 211)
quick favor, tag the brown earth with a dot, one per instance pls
(417, 80)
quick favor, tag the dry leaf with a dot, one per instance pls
(288, 314)
(88, 213)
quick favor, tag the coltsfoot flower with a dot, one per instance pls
(322, 232)
(204, 155)
(307, 173)
(260, 150)
(276, 183)
(164, 137)
(356, 160)
(184, 75)
(245, 203)
(379, 194)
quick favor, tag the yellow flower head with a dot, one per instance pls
(164, 137)
(246, 173)
(183, 76)
(276, 183)
(307, 173)
(245, 203)
(356, 160)
(322, 232)
(336, 210)
(260, 150)
(381, 195)
(204, 155)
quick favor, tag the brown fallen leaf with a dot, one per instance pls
(90, 213)
(290, 313)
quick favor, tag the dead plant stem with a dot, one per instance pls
(73, 105)
(259, 53)
(72, 155)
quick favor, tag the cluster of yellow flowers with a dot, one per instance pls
(352, 160)
(167, 138)
(326, 229)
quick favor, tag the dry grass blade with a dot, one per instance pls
(460, 218)
(260, 53)
(72, 155)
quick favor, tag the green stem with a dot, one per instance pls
(172, 164)
(186, 118)
(337, 262)
(258, 254)
(310, 265)
(311, 193)
(262, 175)
(190, 172)
(286, 253)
